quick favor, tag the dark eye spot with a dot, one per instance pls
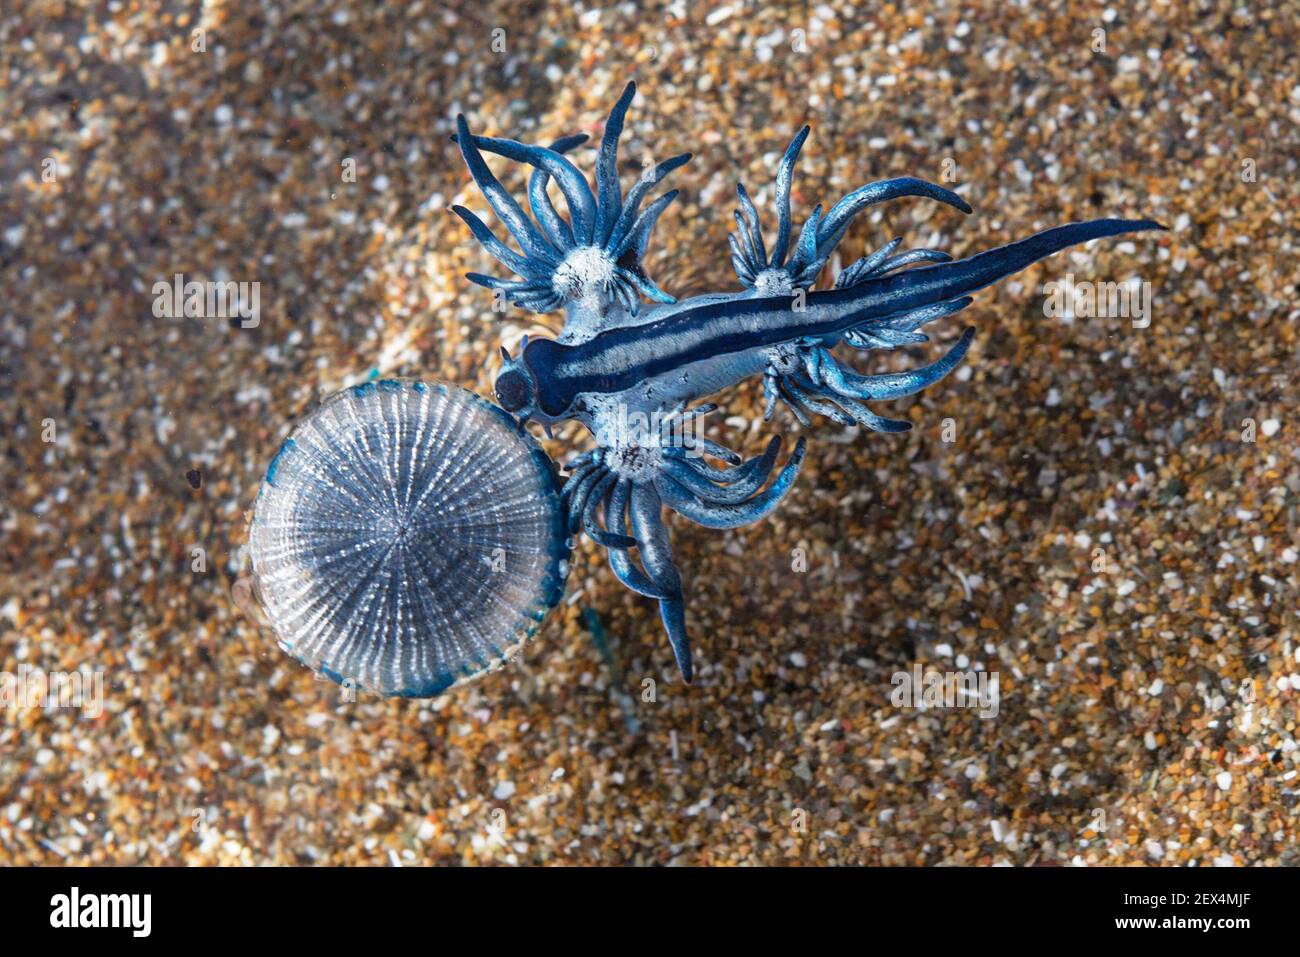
(513, 391)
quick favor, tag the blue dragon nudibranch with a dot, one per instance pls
(381, 605)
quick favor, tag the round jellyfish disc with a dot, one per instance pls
(408, 536)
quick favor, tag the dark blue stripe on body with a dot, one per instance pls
(607, 363)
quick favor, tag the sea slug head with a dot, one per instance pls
(516, 386)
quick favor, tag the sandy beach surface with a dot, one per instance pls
(1100, 511)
